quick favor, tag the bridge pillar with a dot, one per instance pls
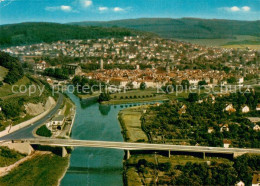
(204, 155)
(64, 152)
(128, 155)
(169, 153)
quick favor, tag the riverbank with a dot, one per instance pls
(51, 160)
(130, 120)
(146, 169)
(41, 169)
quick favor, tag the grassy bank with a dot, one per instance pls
(3, 72)
(131, 124)
(9, 157)
(87, 96)
(41, 170)
(13, 101)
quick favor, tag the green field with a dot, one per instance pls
(240, 41)
(243, 46)
(175, 159)
(3, 72)
(6, 90)
(131, 124)
(41, 170)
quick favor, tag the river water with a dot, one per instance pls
(95, 166)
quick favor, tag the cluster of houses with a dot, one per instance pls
(137, 50)
(154, 78)
(225, 127)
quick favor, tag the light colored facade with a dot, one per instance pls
(57, 122)
(245, 109)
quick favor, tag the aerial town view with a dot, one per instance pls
(129, 93)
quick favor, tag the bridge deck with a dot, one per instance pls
(135, 146)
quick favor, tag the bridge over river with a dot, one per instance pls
(137, 146)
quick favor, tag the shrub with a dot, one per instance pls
(44, 131)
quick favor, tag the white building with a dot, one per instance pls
(256, 128)
(224, 128)
(245, 109)
(241, 183)
(256, 179)
(241, 80)
(226, 143)
(230, 108)
(258, 107)
(57, 122)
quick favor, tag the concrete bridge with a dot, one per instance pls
(137, 146)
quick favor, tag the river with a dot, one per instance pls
(95, 166)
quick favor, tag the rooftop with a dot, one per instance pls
(59, 118)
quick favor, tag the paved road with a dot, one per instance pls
(26, 132)
(137, 146)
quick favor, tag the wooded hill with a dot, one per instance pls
(29, 33)
(186, 28)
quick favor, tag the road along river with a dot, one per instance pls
(95, 166)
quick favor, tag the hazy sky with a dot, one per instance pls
(14, 11)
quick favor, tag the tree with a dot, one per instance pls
(185, 84)
(13, 65)
(232, 80)
(104, 96)
(142, 86)
(193, 97)
(201, 83)
(44, 131)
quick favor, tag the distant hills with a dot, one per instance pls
(29, 33)
(186, 28)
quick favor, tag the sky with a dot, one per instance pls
(63, 11)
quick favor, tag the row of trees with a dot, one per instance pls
(59, 73)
